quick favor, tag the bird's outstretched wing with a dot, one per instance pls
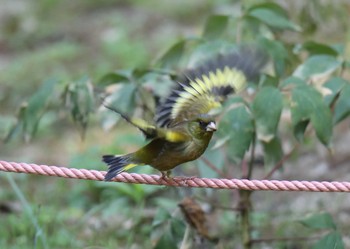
(206, 87)
(150, 131)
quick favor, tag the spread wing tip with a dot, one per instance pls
(217, 78)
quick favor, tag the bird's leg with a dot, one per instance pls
(165, 174)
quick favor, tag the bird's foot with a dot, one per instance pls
(165, 175)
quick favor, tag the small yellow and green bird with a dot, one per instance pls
(184, 125)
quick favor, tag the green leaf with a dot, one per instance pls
(292, 81)
(31, 112)
(310, 22)
(315, 48)
(147, 101)
(177, 228)
(277, 51)
(171, 230)
(307, 105)
(166, 241)
(272, 17)
(79, 99)
(18, 126)
(333, 240)
(123, 98)
(209, 49)
(299, 129)
(161, 216)
(139, 73)
(133, 192)
(274, 47)
(273, 152)
(321, 119)
(238, 125)
(6, 123)
(215, 26)
(342, 106)
(335, 84)
(319, 221)
(268, 80)
(113, 78)
(267, 107)
(37, 105)
(269, 5)
(124, 76)
(173, 55)
(339, 48)
(317, 65)
(160, 85)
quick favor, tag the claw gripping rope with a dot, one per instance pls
(194, 182)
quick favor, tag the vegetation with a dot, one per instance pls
(60, 58)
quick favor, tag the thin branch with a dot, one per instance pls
(252, 156)
(213, 167)
(281, 162)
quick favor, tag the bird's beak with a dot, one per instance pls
(211, 127)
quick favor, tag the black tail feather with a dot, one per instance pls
(116, 165)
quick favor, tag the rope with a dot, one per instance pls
(194, 182)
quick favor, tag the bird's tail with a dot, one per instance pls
(117, 164)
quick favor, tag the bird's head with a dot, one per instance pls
(202, 126)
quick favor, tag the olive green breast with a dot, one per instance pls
(164, 155)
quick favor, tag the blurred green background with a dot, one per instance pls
(72, 40)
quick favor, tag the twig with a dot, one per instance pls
(213, 167)
(245, 203)
(251, 162)
(281, 162)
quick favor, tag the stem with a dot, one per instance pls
(281, 162)
(252, 157)
(245, 204)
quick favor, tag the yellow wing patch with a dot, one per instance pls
(129, 166)
(173, 136)
(199, 95)
(152, 131)
(141, 123)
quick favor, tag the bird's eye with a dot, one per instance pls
(202, 123)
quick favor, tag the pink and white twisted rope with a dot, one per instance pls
(311, 186)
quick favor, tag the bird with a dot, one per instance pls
(184, 122)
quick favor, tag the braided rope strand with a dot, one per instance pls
(194, 182)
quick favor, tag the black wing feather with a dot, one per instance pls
(247, 60)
